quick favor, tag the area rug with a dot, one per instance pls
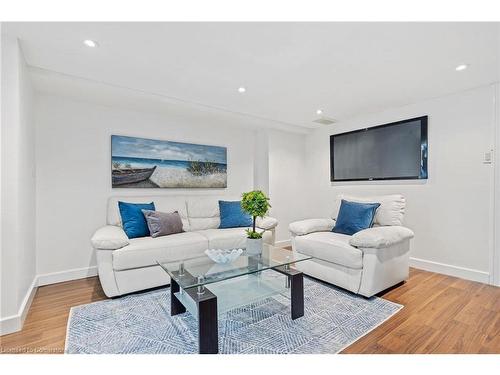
(141, 323)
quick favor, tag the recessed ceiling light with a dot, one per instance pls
(319, 112)
(241, 90)
(90, 43)
(461, 67)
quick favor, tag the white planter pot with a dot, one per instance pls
(254, 246)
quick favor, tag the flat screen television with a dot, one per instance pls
(395, 151)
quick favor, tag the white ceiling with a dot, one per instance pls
(289, 69)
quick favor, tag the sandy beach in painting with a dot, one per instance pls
(178, 178)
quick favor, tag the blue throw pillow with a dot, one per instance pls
(133, 220)
(354, 216)
(232, 215)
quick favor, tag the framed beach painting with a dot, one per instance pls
(148, 163)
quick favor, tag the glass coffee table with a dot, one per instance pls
(207, 289)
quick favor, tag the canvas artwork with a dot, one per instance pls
(148, 163)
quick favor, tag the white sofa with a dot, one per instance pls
(365, 263)
(129, 265)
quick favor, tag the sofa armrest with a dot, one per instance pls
(109, 237)
(266, 223)
(303, 227)
(380, 237)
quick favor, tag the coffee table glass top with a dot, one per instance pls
(201, 270)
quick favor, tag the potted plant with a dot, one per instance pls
(256, 204)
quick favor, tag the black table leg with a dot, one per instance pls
(208, 336)
(296, 282)
(208, 331)
(297, 294)
(176, 307)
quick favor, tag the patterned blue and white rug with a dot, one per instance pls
(141, 323)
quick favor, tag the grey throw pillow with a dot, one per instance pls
(163, 223)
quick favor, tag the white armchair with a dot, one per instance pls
(365, 263)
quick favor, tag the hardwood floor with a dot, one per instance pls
(44, 330)
(442, 314)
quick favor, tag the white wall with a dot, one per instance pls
(27, 182)
(73, 169)
(261, 164)
(18, 187)
(287, 185)
(495, 267)
(451, 212)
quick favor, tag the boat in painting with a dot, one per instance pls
(131, 175)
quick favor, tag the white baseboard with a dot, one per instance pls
(59, 277)
(283, 243)
(15, 323)
(448, 269)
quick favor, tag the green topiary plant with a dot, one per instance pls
(256, 204)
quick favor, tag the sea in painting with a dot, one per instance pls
(147, 163)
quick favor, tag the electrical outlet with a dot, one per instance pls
(488, 158)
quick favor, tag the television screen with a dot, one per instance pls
(392, 151)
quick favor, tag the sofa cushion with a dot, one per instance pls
(330, 247)
(144, 252)
(230, 238)
(203, 213)
(390, 212)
